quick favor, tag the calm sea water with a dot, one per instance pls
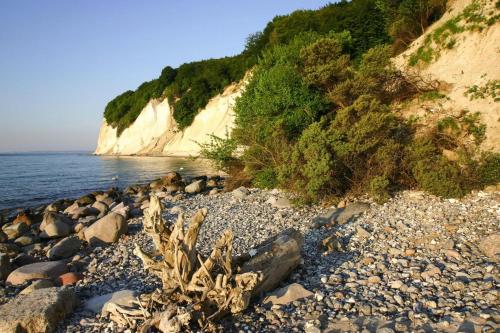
(31, 179)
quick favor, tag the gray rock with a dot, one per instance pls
(70, 210)
(490, 246)
(326, 218)
(362, 233)
(3, 236)
(279, 202)
(121, 209)
(106, 230)
(196, 187)
(36, 271)
(25, 240)
(288, 294)
(9, 249)
(100, 304)
(37, 312)
(352, 210)
(311, 327)
(13, 231)
(83, 212)
(35, 285)
(171, 178)
(241, 192)
(65, 248)
(5, 266)
(214, 191)
(101, 207)
(55, 225)
(85, 200)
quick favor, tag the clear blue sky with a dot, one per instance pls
(61, 61)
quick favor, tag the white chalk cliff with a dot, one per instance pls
(155, 131)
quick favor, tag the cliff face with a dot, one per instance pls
(472, 61)
(155, 131)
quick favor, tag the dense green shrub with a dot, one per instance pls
(277, 106)
(317, 122)
(489, 169)
(311, 165)
(440, 177)
(265, 178)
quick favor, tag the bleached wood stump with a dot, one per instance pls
(200, 290)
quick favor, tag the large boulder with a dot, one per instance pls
(5, 266)
(196, 186)
(38, 312)
(36, 271)
(106, 230)
(490, 246)
(65, 248)
(55, 225)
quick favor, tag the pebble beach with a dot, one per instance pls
(416, 263)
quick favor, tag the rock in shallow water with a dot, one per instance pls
(37, 312)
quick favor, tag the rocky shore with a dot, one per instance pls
(416, 263)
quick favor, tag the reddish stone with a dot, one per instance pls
(69, 278)
(23, 218)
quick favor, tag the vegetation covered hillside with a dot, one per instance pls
(190, 86)
(318, 118)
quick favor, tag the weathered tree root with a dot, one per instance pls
(197, 290)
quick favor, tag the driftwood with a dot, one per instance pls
(197, 289)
